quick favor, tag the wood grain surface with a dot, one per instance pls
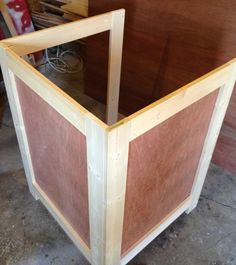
(58, 152)
(161, 168)
(167, 44)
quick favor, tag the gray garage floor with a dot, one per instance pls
(30, 236)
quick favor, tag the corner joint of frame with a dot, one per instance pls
(118, 14)
(233, 66)
(3, 48)
(119, 124)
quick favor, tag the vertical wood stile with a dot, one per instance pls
(118, 151)
(212, 136)
(114, 65)
(13, 98)
(96, 140)
(107, 157)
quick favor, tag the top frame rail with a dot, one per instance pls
(47, 38)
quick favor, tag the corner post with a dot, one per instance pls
(107, 158)
(13, 98)
(114, 65)
(217, 118)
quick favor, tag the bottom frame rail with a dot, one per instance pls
(58, 216)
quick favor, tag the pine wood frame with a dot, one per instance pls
(107, 171)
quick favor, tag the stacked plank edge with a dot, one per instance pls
(50, 13)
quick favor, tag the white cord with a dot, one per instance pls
(61, 65)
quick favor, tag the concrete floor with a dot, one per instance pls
(30, 236)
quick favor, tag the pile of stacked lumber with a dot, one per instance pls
(48, 13)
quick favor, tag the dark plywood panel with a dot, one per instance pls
(167, 44)
(58, 152)
(161, 168)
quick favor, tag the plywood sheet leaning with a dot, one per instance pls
(93, 165)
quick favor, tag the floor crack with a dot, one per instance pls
(220, 203)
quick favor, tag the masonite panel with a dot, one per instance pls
(58, 153)
(161, 168)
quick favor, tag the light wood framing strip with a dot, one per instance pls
(114, 68)
(14, 103)
(212, 135)
(117, 157)
(107, 157)
(46, 38)
(161, 110)
(62, 222)
(96, 139)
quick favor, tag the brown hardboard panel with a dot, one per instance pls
(58, 153)
(161, 168)
(167, 44)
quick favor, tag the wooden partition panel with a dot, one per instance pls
(58, 153)
(161, 168)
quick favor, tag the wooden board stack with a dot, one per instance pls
(50, 13)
